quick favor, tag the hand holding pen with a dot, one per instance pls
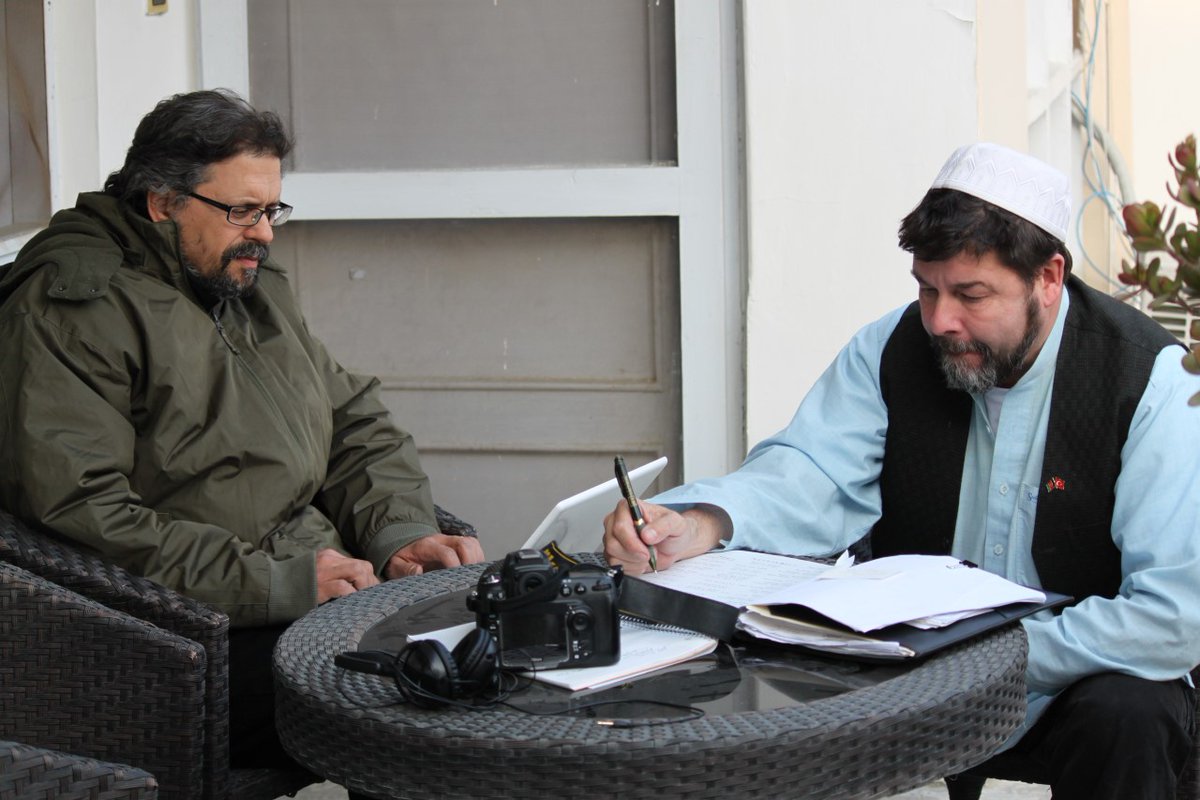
(635, 510)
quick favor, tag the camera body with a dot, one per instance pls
(543, 618)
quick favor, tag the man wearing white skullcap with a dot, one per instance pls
(1015, 418)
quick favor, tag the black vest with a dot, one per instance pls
(1104, 363)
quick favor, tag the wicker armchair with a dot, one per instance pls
(34, 773)
(102, 663)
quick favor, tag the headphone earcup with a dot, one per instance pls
(429, 669)
(476, 657)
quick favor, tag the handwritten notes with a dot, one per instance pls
(735, 577)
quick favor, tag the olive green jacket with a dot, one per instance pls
(213, 452)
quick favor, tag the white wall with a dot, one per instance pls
(851, 108)
(1163, 89)
(108, 63)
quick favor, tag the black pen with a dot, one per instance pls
(635, 510)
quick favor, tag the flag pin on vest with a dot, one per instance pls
(1056, 483)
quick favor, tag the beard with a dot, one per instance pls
(997, 367)
(223, 284)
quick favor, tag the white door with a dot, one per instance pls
(494, 216)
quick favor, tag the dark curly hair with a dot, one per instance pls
(948, 222)
(176, 142)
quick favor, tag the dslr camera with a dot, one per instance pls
(545, 618)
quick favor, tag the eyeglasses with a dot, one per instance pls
(248, 216)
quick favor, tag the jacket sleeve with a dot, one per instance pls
(375, 491)
(67, 448)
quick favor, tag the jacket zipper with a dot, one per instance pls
(215, 314)
(297, 439)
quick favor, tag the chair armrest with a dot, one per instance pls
(79, 677)
(27, 771)
(63, 562)
(69, 564)
(452, 525)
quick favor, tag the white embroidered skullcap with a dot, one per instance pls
(1016, 182)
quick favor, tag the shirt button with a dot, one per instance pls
(1004, 488)
(998, 549)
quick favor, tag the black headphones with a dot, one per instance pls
(430, 676)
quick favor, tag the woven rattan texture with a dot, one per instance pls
(79, 677)
(448, 523)
(65, 564)
(32, 773)
(938, 718)
(62, 562)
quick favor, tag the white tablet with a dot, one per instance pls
(577, 523)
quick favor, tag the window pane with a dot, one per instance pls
(24, 164)
(429, 84)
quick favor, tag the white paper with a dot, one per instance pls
(942, 620)
(925, 591)
(644, 648)
(917, 586)
(735, 577)
(761, 623)
(447, 636)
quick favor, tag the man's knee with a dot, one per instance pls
(1132, 713)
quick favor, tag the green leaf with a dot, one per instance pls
(1189, 274)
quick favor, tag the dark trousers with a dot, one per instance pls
(253, 741)
(1107, 736)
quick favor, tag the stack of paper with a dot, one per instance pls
(844, 608)
(870, 596)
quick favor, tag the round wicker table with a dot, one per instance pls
(917, 723)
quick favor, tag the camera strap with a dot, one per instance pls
(670, 606)
(656, 603)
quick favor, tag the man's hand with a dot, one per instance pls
(675, 536)
(433, 552)
(339, 575)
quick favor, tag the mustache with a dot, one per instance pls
(956, 347)
(255, 250)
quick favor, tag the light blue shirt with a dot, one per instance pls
(813, 489)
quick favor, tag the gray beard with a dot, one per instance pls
(222, 285)
(996, 368)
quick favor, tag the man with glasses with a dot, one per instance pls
(162, 401)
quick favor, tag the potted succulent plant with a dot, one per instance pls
(1154, 233)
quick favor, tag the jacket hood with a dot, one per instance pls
(87, 244)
